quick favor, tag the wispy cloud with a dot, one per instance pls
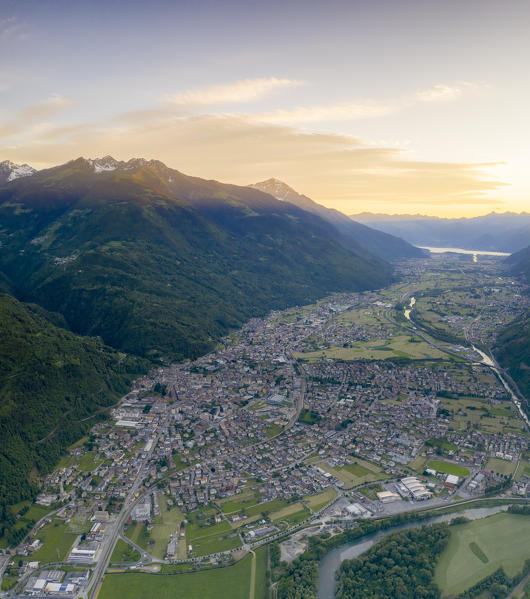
(365, 109)
(34, 115)
(338, 170)
(12, 28)
(245, 90)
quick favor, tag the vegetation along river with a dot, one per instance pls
(330, 563)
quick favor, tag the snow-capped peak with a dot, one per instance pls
(9, 171)
(108, 163)
(276, 188)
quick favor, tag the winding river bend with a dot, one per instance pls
(330, 563)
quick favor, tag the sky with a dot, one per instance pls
(394, 106)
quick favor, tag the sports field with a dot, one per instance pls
(476, 549)
(232, 582)
(448, 468)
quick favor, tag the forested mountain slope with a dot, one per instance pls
(160, 264)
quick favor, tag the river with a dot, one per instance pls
(331, 562)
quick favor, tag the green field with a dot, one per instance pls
(232, 582)
(267, 508)
(124, 553)
(448, 468)
(88, 462)
(138, 534)
(476, 549)
(57, 541)
(523, 468)
(212, 539)
(501, 466)
(398, 346)
(229, 507)
(260, 586)
(347, 474)
(164, 526)
(320, 500)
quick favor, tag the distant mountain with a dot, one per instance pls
(384, 245)
(51, 382)
(519, 263)
(160, 264)
(506, 232)
(9, 171)
(513, 344)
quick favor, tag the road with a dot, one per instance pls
(91, 590)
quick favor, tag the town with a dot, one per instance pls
(360, 405)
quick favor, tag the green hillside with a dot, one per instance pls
(513, 344)
(48, 377)
(160, 264)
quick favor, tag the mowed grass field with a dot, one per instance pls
(57, 541)
(399, 346)
(232, 582)
(501, 466)
(356, 473)
(448, 468)
(504, 541)
(164, 526)
(320, 500)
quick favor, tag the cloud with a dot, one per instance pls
(339, 171)
(441, 91)
(11, 28)
(33, 116)
(246, 90)
(367, 109)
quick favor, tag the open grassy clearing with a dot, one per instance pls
(260, 585)
(448, 468)
(502, 539)
(165, 525)
(266, 508)
(288, 510)
(501, 466)
(123, 553)
(476, 410)
(57, 541)
(137, 533)
(88, 462)
(349, 478)
(320, 500)
(523, 468)
(399, 346)
(232, 582)
(232, 506)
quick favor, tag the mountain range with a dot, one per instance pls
(507, 232)
(161, 264)
(388, 247)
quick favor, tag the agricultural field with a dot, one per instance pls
(354, 474)
(478, 548)
(501, 466)
(260, 583)
(294, 513)
(209, 584)
(243, 502)
(448, 468)
(398, 346)
(211, 539)
(478, 411)
(320, 500)
(137, 533)
(57, 541)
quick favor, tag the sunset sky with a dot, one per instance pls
(387, 106)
